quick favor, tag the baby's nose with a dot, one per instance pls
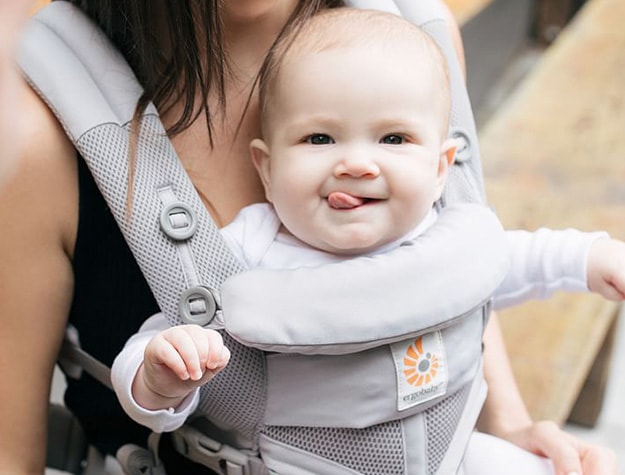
(357, 166)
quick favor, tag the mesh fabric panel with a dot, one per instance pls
(105, 149)
(237, 395)
(440, 423)
(372, 451)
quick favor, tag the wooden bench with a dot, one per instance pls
(554, 155)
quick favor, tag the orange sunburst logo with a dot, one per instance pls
(419, 368)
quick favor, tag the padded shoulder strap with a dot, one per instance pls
(93, 92)
(74, 67)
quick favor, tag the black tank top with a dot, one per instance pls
(111, 300)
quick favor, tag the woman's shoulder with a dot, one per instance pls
(39, 129)
(42, 190)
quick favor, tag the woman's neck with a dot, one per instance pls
(222, 170)
(250, 27)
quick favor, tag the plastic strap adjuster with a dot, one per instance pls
(222, 458)
(465, 148)
(199, 305)
(178, 221)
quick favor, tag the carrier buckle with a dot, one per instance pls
(221, 458)
(135, 460)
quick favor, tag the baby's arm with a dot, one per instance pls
(157, 374)
(547, 261)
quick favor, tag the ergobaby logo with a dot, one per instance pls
(421, 369)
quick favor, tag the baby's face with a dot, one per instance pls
(354, 143)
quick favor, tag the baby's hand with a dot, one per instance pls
(176, 361)
(606, 268)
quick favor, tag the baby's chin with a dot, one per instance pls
(352, 246)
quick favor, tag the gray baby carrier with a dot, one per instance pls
(325, 377)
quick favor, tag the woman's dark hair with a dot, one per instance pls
(193, 63)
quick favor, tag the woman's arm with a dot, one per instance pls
(504, 411)
(505, 415)
(38, 212)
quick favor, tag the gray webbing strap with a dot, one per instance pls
(71, 352)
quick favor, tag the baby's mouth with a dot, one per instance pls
(342, 200)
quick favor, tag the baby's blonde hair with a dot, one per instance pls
(348, 27)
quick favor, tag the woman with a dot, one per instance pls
(56, 226)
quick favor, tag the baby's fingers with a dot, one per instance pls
(220, 360)
(183, 354)
(161, 356)
(218, 354)
(212, 353)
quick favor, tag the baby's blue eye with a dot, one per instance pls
(392, 139)
(319, 139)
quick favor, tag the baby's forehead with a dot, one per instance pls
(346, 27)
(388, 64)
(324, 85)
(343, 30)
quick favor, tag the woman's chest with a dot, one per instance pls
(222, 171)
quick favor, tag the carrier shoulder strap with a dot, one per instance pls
(93, 92)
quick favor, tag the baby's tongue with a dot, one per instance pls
(340, 200)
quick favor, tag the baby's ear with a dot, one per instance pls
(260, 158)
(448, 151)
(446, 159)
